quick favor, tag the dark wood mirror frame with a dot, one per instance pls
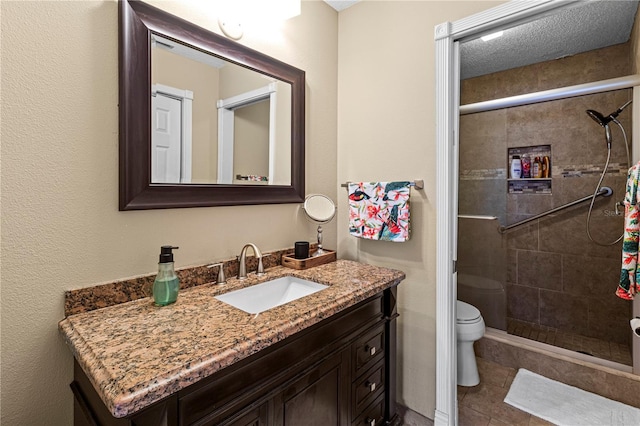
(137, 21)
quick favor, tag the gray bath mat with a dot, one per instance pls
(566, 405)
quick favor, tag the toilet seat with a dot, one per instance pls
(466, 313)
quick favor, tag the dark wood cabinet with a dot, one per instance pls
(318, 398)
(341, 371)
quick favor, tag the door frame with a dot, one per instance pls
(226, 134)
(447, 36)
(186, 121)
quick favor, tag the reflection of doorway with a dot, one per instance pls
(171, 124)
(226, 130)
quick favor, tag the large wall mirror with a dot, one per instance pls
(204, 121)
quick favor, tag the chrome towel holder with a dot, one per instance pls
(418, 183)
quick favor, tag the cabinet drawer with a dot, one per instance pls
(367, 388)
(367, 350)
(373, 415)
(258, 416)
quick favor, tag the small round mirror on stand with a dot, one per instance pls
(320, 209)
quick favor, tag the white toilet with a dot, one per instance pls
(469, 328)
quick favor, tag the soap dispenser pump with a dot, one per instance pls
(166, 284)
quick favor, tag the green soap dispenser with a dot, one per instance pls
(166, 284)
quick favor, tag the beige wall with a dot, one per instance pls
(386, 131)
(60, 222)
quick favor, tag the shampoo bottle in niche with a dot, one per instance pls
(516, 167)
(546, 167)
(166, 284)
(536, 169)
(526, 166)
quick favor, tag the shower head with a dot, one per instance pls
(601, 119)
(598, 118)
(604, 121)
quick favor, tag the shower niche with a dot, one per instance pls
(535, 170)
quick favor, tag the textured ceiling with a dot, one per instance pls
(589, 26)
(340, 4)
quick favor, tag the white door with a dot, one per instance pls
(166, 127)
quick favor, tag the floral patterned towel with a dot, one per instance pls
(629, 275)
(379, 210)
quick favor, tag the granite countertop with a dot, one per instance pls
(136, 353)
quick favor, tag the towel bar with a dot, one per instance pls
(418, 183)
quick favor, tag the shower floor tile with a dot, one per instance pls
(602, 349)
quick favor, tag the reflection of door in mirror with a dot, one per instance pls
(171, 125)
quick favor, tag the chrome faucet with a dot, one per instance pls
(242, 269)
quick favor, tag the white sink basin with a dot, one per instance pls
(262, 297)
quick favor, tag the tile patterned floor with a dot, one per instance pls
(575, 342)
(484, 405)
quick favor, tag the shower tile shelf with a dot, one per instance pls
(532, 185)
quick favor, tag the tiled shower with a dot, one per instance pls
(546, 280)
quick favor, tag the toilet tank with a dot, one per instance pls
(486, 294)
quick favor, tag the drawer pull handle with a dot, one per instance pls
(370, 422)
(371, 386)
(371, 350)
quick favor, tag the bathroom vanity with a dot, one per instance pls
(325, 359)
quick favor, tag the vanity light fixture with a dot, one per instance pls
(231, 28)
(249, 12)
(492, 36)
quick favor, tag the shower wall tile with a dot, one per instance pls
(564, 311)
(539, 270)
(489, 123)
(600, 64)
(523, 303)
(512, 266)
(483, 141)
(589, 276)
(489, 254)
(575, 138)
(484, 153)
(497, 85)
(482, 197)
(567, 234)
(568, 189)
(524, 237)
(533, 204)
(609, 317)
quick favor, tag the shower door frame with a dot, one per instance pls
(447, 37)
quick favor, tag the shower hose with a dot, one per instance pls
(595, 193)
